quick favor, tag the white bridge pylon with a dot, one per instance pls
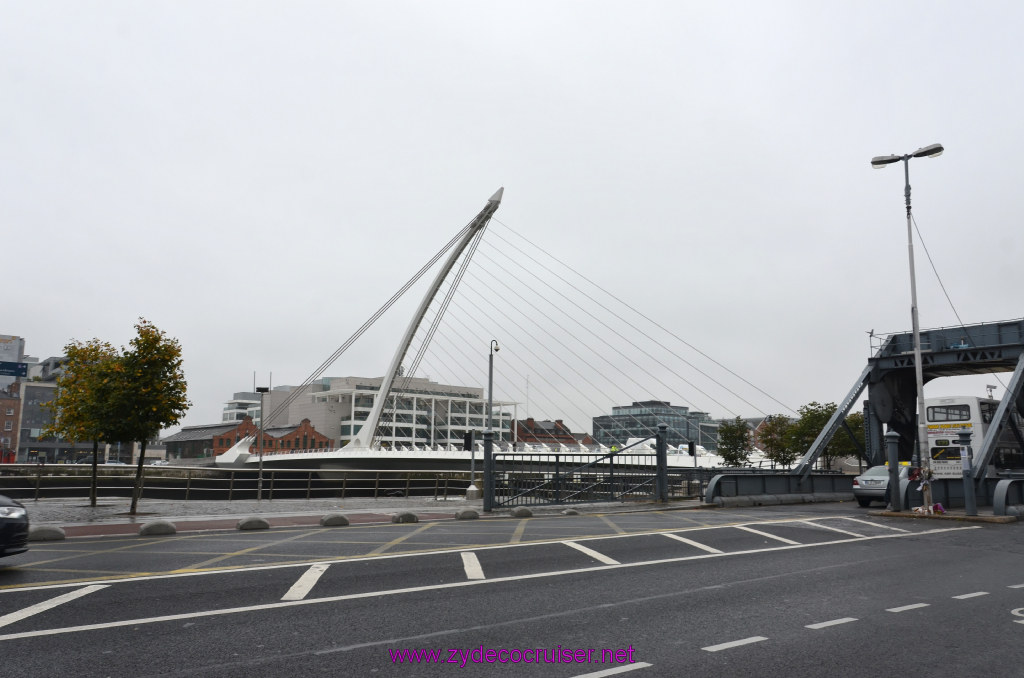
(364, 438)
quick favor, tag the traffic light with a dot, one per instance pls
(691, 447)
(467, 441)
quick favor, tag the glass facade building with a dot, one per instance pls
(641, 419)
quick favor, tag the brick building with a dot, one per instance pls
(555, 432)
(194, 442)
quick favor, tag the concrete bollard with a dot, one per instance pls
(253, 523)
(467, 514)
(405, 517)
(522, 512)
(157, 527)
(334, 520)
(46, 533)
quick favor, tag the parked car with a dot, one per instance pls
(870, 485)
(13, 527)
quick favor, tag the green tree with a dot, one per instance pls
(150, 393)
(813, 418)
(735, 441)
(80, 407)
(775, 441)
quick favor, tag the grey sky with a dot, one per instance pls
(257, 178)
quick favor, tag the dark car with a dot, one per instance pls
(13, 527)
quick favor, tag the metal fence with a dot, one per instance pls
(525, 478)
(31, 481)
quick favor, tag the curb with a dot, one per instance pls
(944, 516)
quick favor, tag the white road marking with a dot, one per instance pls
(301, 588)
(814, 523)
(472, 566)
(201, 614)
(49, 604)
(765, 534)
(1016, 586)
(614, 672)
(834, 622)
(884, 527)
(692, 542)
(907, 607)
(965, 596)
(592, 553)
(735, 643)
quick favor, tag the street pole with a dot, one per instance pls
(923, 453)
(262, 390)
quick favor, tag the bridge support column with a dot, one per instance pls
(892, 447)
(661, 461)
(488, 471)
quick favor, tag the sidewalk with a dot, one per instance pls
(110, 515)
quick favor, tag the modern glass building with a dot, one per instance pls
(640, 420)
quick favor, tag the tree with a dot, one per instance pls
(735, 441)
(80, 407)
(774, 440)
(813, 418)
(150, 392)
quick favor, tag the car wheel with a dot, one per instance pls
(864, 502)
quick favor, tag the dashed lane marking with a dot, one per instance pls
(833, 622)
(614, 672)
(904, 608)
(693, 543)
(471, 564)
(600, 557)
(200, 614)
(734, 643)
(965, 596)
(301, 588)
(49, 604)
(766, 534)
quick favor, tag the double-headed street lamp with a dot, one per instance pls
(924, 455)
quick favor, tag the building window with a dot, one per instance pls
(8, 425)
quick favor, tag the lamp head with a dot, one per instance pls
(494, 345)
(880, 161)
(933, 151)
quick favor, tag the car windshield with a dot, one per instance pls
(877, 471)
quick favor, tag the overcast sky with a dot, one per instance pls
(257, 178)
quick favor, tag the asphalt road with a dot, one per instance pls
(781, 591)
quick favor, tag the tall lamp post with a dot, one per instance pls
(262, 390)
(924, 455)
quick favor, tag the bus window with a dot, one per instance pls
(949, 413)
(988, 410)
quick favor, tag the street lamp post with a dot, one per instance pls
(924, 455)
(262, 390)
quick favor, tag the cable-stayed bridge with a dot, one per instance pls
(570, 350)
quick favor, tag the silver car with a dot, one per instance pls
(870, 485)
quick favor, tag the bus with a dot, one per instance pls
(948, 416)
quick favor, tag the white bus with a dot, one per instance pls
(948, 416)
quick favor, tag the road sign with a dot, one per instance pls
(13, 369)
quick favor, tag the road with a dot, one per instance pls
(776, 591)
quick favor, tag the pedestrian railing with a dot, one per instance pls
(33, 481)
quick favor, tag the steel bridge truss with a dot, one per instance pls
(945, 352)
